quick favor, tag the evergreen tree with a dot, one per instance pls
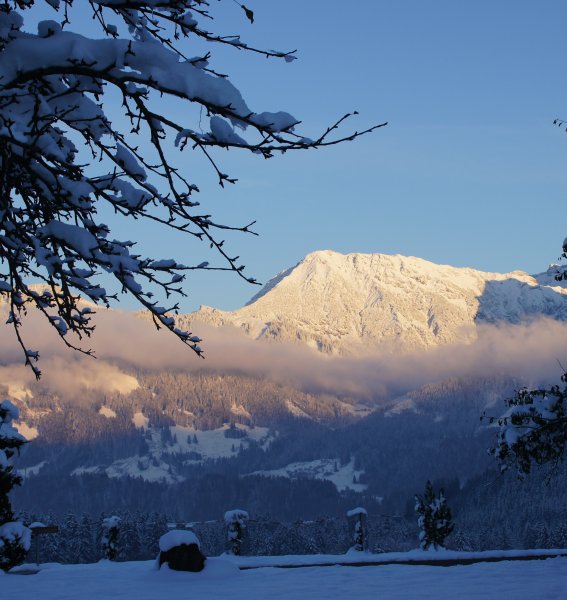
(434, 518)
(51, 544)
(534, 428)
(357, 518)
(129, 539)
(461, 541)
(86, 537)
(151, 529)
(15, 539)
(110, 532)
(71, 540)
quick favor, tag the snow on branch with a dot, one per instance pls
(533, 430)
(62, 159)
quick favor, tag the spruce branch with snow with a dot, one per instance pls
(434, 518)
(63, 161)
(15, 539)
(533, 430)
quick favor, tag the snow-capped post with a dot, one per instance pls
(433, 518)
(357, 518)
(109, 540)
(15, 538)
(181, 550)
(236, 521)
(65, 162)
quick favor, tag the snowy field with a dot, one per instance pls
(529, 580)
(324, 469)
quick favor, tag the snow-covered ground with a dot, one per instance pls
(539, 579)
(213, 443)
(30, 433)
(329, 469)
(33, 470)
(206, 445)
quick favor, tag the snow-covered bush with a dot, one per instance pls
(236, 521)
(357, 518)
(181, 550)
(433, 518)
(15, 542)
(65, 162)
(109, 540)
(533, 429)
(15, 539)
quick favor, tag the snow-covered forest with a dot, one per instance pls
(110, 453)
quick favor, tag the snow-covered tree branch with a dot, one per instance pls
(63, 160)
(533, 429)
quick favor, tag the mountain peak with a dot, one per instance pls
(346, 303)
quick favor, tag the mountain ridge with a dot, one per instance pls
(347, 303)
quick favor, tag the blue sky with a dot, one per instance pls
(469, 172)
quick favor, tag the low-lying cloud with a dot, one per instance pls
(530, 352)
(68, 377)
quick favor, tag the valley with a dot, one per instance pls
(388, 386)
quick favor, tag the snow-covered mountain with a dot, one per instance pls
(167, 427)
(346, 303)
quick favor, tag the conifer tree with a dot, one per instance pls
(534, 428)
(15, 539)
(358, 516)
(434, 518)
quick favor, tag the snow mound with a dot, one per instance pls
(177, 537)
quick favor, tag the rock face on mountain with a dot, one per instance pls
(344, 304)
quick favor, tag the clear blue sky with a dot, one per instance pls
(469, 172)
